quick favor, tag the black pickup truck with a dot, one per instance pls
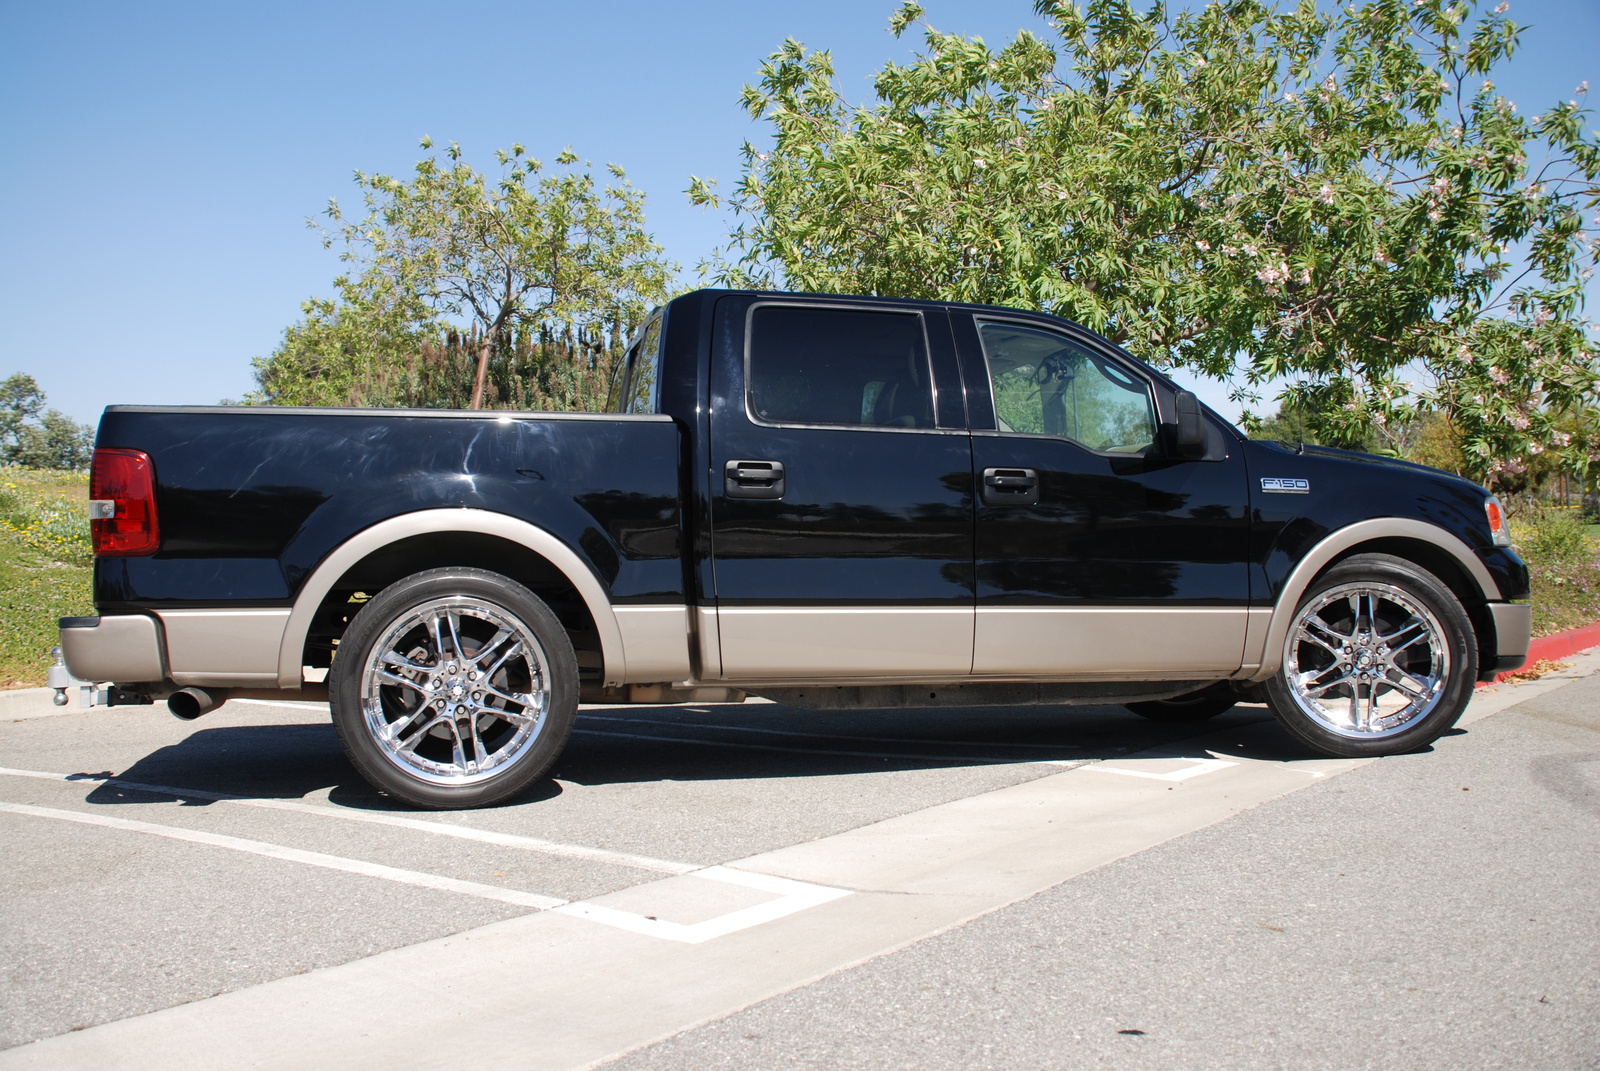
(834, 502)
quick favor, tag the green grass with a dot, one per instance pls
(1563, 559)
(45, 560)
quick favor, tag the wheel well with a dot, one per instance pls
(1443, 565)
(437, 550)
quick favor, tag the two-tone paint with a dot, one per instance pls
(884, 560)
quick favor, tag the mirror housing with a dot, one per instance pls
(1189, 434)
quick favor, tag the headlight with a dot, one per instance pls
(1498, 528)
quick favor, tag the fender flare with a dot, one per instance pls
(1336, 543)
(427, 522)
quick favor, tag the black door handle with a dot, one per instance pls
(753, 479)
(1010, 487)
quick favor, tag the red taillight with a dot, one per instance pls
(122, 504)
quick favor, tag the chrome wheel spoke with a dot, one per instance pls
(482, 657)
(1416, 688)
(1364, 693)
(487, 650)
(1413, 624)
(513, 717)
(522, 699)
(438, 638)
(457, 755)
(395, 678)
(410, 743)
(1311, 637)
(395, 729)
(456, 653)
(478, 750)
(511, 652)
(1314, 621)
(395, 658)
(1322, 689)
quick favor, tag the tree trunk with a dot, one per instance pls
(483, 372)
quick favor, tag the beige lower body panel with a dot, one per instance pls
(124, 649)
(236, 648)
(1130, 643)
(655, 643)
(843, 643)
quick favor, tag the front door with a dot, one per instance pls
(1099, 554)
(842, 509)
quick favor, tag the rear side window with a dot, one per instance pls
(638, 378)
(838, 367)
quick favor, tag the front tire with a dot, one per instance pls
(454, 688)
(1380, 659)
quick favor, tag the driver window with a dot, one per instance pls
(1046, 384)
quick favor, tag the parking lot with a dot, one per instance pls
(229, 893)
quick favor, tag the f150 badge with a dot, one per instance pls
(1285, 485)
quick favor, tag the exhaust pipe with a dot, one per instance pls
(190, 703)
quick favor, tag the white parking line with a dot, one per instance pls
(379, 818)
(955, 760)
(295, 855)
(792, 896)
(826, 736)
(1201, 766)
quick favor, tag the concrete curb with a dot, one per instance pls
(17, 704)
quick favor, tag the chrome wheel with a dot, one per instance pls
(455, 690)
(1365, 660)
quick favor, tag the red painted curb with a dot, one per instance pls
(1559, 646)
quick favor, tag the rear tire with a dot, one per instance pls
(1380, 659)
(454, 688)
(1198, 706)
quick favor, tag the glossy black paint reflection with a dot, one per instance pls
(252, 500)
(870, 515)
(1112, 530)
(1347, 487)
(1108, 529)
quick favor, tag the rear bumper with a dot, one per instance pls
(1513, 631)
(126, 649)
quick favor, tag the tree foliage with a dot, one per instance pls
(36, 437)
(463, 290)
(1335, 197)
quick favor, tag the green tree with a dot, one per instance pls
(1335, 197)
(450, 262)
(36, 437)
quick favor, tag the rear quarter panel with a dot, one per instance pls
(251, 500)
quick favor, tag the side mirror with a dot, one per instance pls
(1189, 437)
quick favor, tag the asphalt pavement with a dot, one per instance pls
(1436, 910)
(748, 885)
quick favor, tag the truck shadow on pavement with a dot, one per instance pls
(637, 744)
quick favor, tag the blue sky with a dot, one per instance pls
(162, 158)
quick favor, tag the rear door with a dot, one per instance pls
(842, 492)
